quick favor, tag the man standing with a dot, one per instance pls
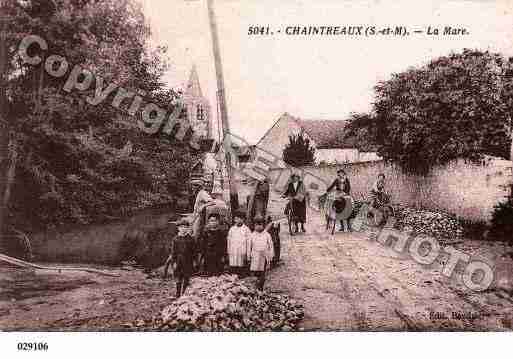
(298, 196)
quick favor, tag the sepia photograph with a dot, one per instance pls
(255, 166)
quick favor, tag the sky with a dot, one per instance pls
(313, 77)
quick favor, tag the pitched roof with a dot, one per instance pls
(326, 133)
(193, 86)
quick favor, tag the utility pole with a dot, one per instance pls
(234, 196)
(4, 128)
(511, 155)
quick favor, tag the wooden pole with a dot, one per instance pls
(4, 128)
(511, 155)
(234, 197)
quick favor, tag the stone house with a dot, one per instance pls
(326, 136)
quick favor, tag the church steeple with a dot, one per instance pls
(193, 86)
(198, 107)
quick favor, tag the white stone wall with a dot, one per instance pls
(368, 156)
(467, 190)
(336, 155)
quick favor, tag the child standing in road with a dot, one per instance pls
(238, 238)
(260, 251)
(273, 228)
(213, 243)
(182, 256)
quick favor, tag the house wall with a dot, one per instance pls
(466, 190)
(368, 156)
(275, 140)
(337, 155)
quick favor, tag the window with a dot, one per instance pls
(200, 113)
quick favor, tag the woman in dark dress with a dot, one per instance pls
(342, 185)
(258, 201)
(381, 208)
(297, 195)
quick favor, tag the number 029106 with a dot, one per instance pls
(33, 346)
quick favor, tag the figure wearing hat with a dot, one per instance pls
(298, 200)
(181, 260)
(213, 246)
(260, 251)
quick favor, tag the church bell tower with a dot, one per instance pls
(198, 107)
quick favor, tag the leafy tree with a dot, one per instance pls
(457, 106)
(361, 131)
(79, 163)
(298, 151)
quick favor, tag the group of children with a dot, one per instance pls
(241, 249)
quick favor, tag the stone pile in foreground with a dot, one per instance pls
(226, 303)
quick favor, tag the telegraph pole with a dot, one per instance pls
(234, 196)
(4, 129)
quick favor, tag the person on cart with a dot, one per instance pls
(202, 199)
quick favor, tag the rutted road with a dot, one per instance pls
(350, 283)
(346, 282)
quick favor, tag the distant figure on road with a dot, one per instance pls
(378, 192)
(341, 183)
(342, 187)
(274, 228)
(258, 201)
(297, 194)
(380, 206)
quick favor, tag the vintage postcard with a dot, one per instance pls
(255, 166)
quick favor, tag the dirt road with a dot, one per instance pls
(350, 283)
(346, 282)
